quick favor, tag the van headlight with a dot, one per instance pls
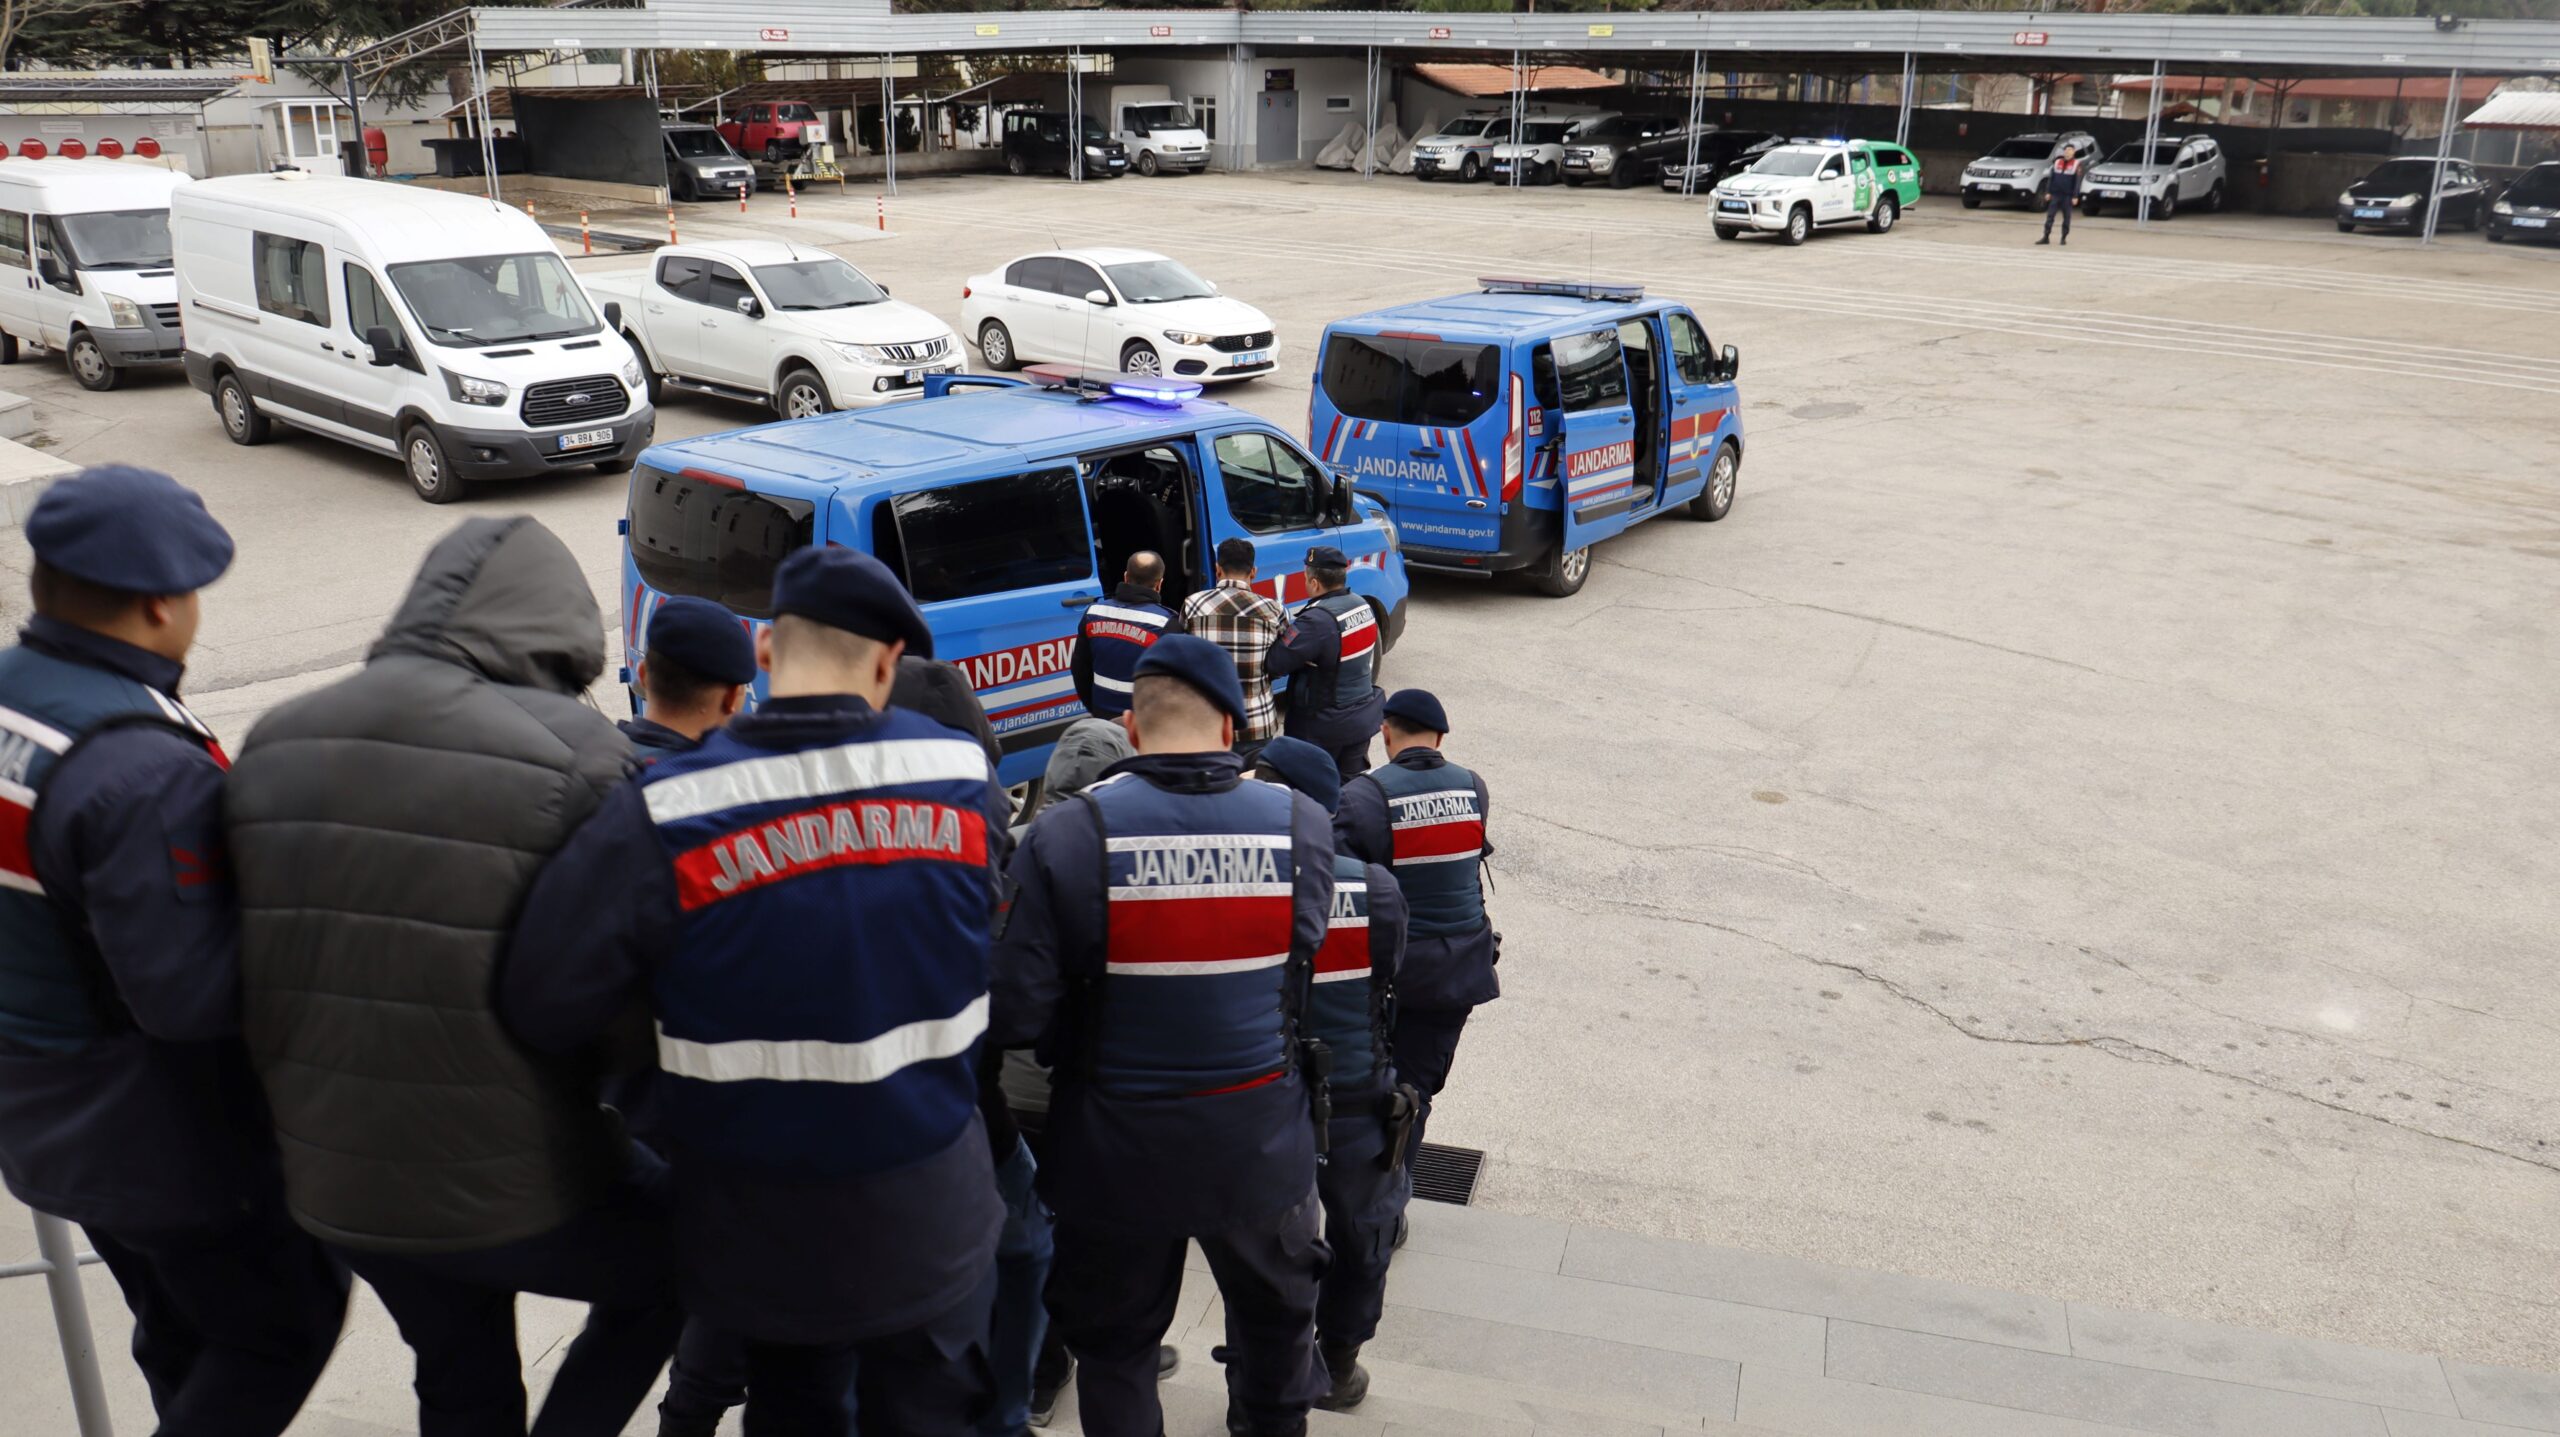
(123, 313)
(468, 390)
(631, 375)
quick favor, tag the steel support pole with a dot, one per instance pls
(1519, 119)
(488, 141)
(71, 1323)
(2444, 153)
(2151, 144)
(1697, 117)
(1369, 109)
(355, 109)
(1902, 115)
(889, 125)
(1075, 115)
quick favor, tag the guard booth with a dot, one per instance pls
(313, 135)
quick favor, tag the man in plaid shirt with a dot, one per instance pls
(1246, 625)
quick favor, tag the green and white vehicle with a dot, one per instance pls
(1805, 185)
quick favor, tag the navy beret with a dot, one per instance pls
(1327, 556)
(132, 529)
(1418, 709)
(705, 638)
(1304, 767)
(847, 589)
(1203, 665)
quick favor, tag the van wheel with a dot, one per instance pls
(1141, 358)
(423, 454)
(802, 394)
(1716, 500)
(1887, 210)
(240, 417)
(995, 346)
(1799, 226)
(1015, 164)
(8, 348)
(89, 362)
(1147, 163)
(1564, 573)
(648, 371)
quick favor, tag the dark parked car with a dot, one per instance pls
(701, 166)
(2530, 209)
(1035, 143)
(1721, 154)
(1622, 149)
(2394, 197)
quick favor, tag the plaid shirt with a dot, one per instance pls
(1246, 625)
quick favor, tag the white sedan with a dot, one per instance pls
(1123, 309)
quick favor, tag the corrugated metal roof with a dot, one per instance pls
(27, 87)
(2340, 87)
(2517, 110)
(1481, 81)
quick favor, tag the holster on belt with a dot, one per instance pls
(1315, 1061)
(1400, 1109)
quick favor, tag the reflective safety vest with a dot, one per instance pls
(1357, 675)
(1193, 1000)
(1118, 633)
(55, 994)
(829, 984)
(1347, 1004)
(1436, 823)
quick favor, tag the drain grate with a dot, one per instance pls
(1444, 1174)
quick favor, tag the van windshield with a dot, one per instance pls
(1162, 117)
(702, 144)
(1398, 380)
(494, 299)
(117, 239)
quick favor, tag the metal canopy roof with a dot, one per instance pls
(1976, 40)
(2517, 110)
(161, 89)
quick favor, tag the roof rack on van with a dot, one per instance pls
(1610, 291)
(1111, 384)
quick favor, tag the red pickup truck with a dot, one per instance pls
(779, 131)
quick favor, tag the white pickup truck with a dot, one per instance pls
(774, 323)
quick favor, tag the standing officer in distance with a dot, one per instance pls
(1331, 646)
(1352, 1008)
(694, 676)
(2061, 192)
(1116, 633)
(1424, 817)
(127, 1104)
(1156, 949)
(803, 903)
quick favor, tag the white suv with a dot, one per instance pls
(2181, 172)
(1539, 152)
(2017, 167)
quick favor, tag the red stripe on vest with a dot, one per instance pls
(1345, 950)
(1440, 840)
(15, 855)
(1358, 639)
(861, 832)
(1199, 930)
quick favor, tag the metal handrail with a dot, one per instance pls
(59, 1260)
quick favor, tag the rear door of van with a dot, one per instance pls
(1429, 423)
(1596, 448)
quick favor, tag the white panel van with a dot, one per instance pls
(84, 264)
(437, 327)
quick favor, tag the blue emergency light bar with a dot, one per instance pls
(1110, 384)
(1611, 291)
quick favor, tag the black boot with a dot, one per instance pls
(1045, 1388)
(1350, 1379)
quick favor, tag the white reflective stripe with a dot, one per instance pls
(1134, 616)
(1345, 976)
(822, 772)
(17, 793)
(1194, 970)
(811, 1060)
(1437, 821)
(1350, 920)
(1105, 681)
(42, 735)
(19, 882)
(1467, 857)
(1362, 617)
(1150, 892)
(1351, 885)
(1195, 840)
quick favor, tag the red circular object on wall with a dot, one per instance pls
(111, 148)
(32, 148)
(147, 147)
(74, 150)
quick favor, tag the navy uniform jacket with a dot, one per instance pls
(159, 1123)
(601, 921)
(1450, 948)
(1309, 655)
(1201, 1157)
(650, 738)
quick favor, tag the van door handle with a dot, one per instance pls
(1424, 453)
(1078, 601)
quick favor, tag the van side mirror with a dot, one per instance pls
(747, 306)
(1728, 365)
(613, 314)
(384, 344)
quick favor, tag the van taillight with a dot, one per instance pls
(705, 476)
(1514, 443)
(964, 291)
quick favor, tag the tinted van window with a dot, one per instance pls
(714, 541)
(1411, 381)
(1590, 370)
(994, 535)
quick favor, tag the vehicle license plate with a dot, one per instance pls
(585, 439)
(1253, 356)
(1737, 207)
(2371, 214)
(2532, 224)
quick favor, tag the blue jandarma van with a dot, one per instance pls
(1007, 505)
(1513, 428)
